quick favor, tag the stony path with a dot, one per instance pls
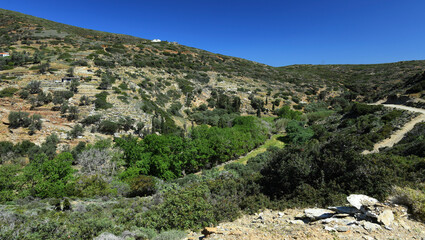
(363, 218)
(399, 134)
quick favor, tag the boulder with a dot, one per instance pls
(344, 210)
(340, 221)
(386, 217)
(296, 222)
(359, 200)
(107, 236)
(341, 228)
(370, 227)
(318, 213)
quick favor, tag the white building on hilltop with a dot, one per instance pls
(156, 40)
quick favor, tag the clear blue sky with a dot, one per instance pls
(277, 33)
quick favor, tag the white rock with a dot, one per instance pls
(330, 229)
(296, 222)
(386, 217)
(359, 200)
(107, 236)
(318, 213)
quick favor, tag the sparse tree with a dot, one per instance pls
(84, 100)
(34, 87)
(72, 113)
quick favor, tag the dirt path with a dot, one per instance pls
(399, 134)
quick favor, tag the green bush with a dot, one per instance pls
(19, 119)
(286, 112)
(8, 92)
(100, 102)
(171, 235)
(413, 199)
(91, 119)
(142, 186)
(186, 209)
(108, 127)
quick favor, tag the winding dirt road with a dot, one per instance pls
(399, 134)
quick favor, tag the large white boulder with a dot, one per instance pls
(359, 200)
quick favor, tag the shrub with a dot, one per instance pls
(171, 235)
(100, 102)
(359, 109)
(413, 199)
(19, 119)
(297, 133)
(8, 92)
(92, 186)
(96, 162)
(91, 119)
(76, 131)
(49, 178)
(108, 127)
(142, 186)
(286, 112)
(34, 87)
(84, 100)
(186, 209)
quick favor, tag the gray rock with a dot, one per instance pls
(126, 234)
(318, 213)
(107, 236)
(386, 217)
(341, 228)
(371, 227)
(340, 221)
(359, 200)
(346, 210)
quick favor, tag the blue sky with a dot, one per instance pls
(277, 33)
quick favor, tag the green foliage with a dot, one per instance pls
(169, 156)
(286, 112)
(142, 186)
(19, 119)
(92, 186)
(60, 97)
(315, 173)
(10, 181)
(296, 133)
(414, 199)
(91, 119)
(171, 235)
(100, 102)
(175, 108)
(187, 209)
(8, 92)
(34, 87)
(359, 109)
(108, 127)
(76, 131)
(49, 178)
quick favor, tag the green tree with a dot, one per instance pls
(50, 178)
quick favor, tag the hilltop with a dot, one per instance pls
(145, 78)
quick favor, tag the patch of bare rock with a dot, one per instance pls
(364, 218)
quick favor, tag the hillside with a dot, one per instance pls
(105, 134)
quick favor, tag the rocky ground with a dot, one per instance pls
(366, 219)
